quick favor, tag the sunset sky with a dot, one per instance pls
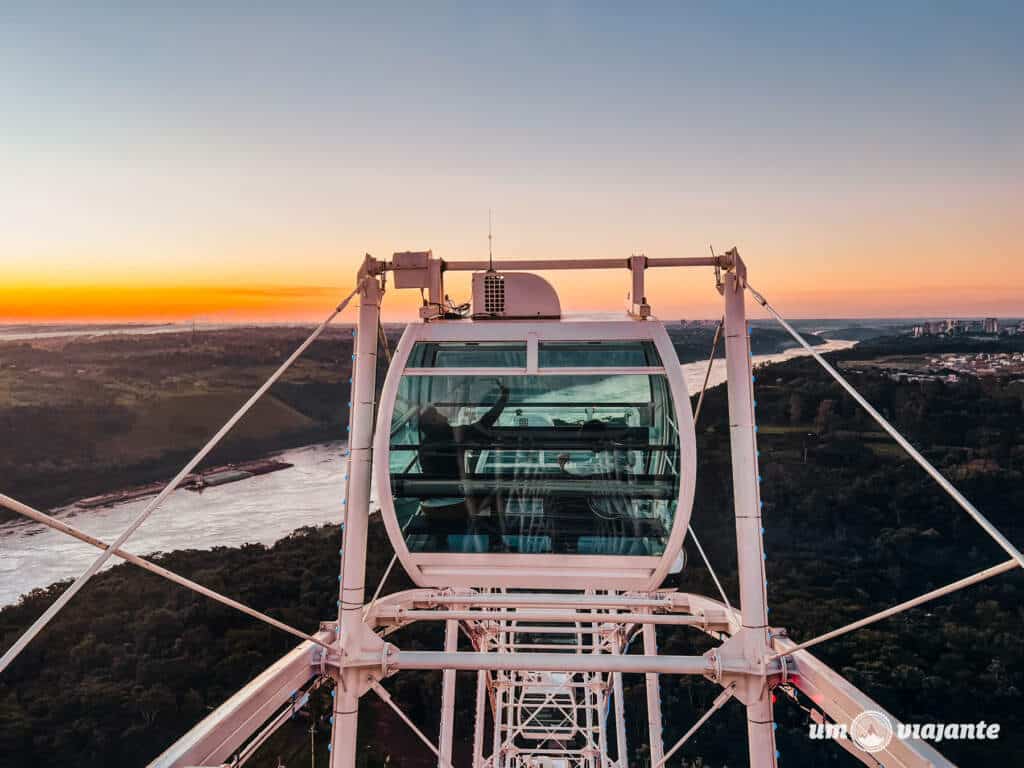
(235, 163)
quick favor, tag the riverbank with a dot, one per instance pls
(91, 415)
(256, 510)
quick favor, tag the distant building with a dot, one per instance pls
(928, 328)
(991, 325)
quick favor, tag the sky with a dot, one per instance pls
(234, 161)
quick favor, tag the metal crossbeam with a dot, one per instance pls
(988, 573)
(711, 570)
(716, 705)
(386, 698)
(61, 526)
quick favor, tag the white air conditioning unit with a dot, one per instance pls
(513, 295)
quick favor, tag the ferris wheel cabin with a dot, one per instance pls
(517, 449)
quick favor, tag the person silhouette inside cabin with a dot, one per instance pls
(442, 451)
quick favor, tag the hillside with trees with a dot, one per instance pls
(853, 526)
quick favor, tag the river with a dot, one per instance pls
(261, 509)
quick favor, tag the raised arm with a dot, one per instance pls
(488, 419)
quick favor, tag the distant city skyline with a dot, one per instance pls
(234, 163)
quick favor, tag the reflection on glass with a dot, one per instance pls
(535, 464)
(598, 354)
(468, 354)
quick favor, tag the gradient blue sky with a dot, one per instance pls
(866, 159)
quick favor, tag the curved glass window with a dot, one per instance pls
(468, 354)
(598, 354)
(535, 464)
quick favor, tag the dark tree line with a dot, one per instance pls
(852, 527)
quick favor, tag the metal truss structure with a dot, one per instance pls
(549, 663)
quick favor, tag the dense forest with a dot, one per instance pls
(852, 527)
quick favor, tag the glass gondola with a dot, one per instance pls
(532, 454)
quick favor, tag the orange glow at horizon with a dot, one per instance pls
(673, 294)
(152, 302)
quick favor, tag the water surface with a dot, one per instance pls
(261, 509)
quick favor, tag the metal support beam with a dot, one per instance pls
(386, 698)
(480, 718)
(575, 601)
(557, 662)
(444, 741)
(500, 714)
(402, 615)
(60, 525)
(216, 738)
(654, 724)
(988, 573)
(541, 265)
(351, 594)
(601, 701)
(716, 705)
(621, 751)
(747, 500)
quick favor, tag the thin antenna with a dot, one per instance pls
(490, 243)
